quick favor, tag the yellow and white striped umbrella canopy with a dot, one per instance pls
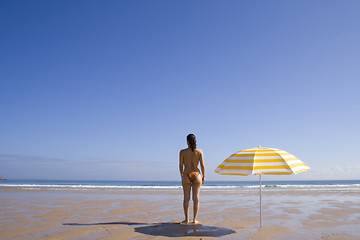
(258, 161)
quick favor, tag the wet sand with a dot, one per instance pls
(146, 214)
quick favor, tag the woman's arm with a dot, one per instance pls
(202, 166)
(181, 164)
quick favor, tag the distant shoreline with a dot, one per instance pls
(242, 179)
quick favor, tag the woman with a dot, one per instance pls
(190, 175)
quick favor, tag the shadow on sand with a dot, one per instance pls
(169, 229)
(177, 230)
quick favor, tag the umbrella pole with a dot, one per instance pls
(260, 202)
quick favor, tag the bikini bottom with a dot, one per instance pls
(192, 176)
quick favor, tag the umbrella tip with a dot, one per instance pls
(259, 146)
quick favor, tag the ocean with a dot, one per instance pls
(232, 186)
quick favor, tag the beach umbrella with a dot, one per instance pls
(260, 161)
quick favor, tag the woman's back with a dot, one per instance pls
(191, 159)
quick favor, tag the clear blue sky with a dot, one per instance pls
(108, 90)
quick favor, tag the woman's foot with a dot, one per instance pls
(184, 222)
(195, 222)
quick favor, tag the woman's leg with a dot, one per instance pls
(196, 192)
(187, 189)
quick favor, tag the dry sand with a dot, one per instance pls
(144, 214)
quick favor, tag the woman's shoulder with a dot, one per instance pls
(199, 150)
(183, 150)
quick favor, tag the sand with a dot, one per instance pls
(146, 214)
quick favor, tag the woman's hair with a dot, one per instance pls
(192, 141)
